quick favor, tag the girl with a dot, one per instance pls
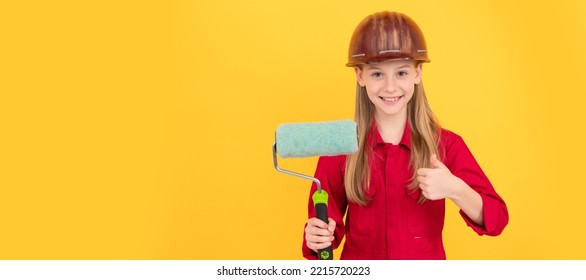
(393, 189)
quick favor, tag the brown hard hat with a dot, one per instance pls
(386, 35)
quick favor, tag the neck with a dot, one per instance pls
(391, 128)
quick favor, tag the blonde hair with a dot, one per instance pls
(424, 142)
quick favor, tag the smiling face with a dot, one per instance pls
(390, 85)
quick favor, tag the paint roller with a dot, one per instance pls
(309, 139)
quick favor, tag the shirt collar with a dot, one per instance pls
(377, 139)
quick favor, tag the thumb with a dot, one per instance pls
(436, 163)
(331, 225)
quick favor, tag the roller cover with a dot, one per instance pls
(317, 139)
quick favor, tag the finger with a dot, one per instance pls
(331, 225)
(311, 239)
(317, 223)
(317, 246)
(319, 238)
(315, 231)
(425, 194)
(424, 181)
(423, 171)
(436, 163)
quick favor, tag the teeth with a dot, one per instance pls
(393, 99)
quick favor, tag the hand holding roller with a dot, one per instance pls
(315, 139)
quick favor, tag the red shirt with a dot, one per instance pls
(393, 225)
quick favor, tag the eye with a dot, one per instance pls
(376, 74)
(402, 73)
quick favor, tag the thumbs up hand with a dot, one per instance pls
(437, 182)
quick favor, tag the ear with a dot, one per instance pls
(359, 76)
(418, 73)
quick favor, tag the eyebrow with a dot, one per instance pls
(370, 67)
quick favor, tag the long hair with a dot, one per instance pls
(424, 142)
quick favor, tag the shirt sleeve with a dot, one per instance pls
(463, 165)
(330, 172)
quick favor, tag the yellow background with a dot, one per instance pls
(143, 129)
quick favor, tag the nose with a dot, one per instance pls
(390, 84)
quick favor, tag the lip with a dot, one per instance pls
(391, 102)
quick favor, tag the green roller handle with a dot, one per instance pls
(320, 201)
